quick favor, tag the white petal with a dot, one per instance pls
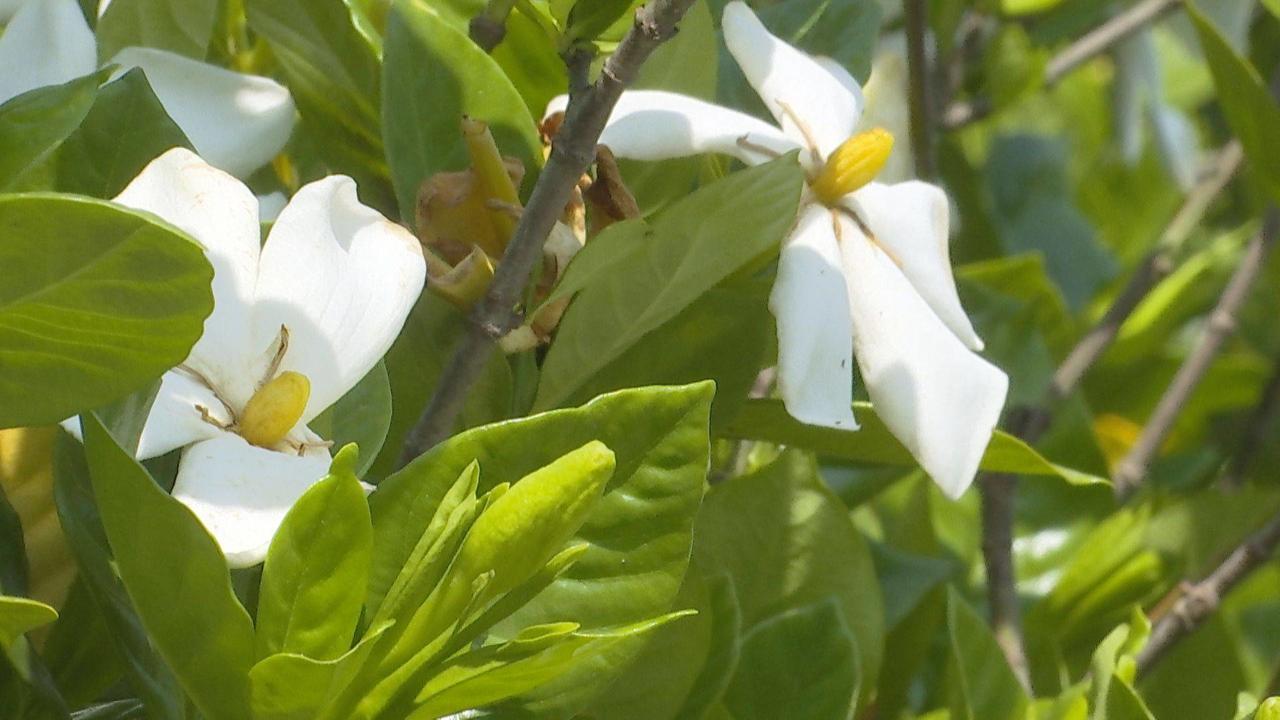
(937, 397)
(887, 106)
(8, 8)
(785, 78)
(342, 279)
(236, 122)
(811, 305)
(222, 215)
(48, 42)
(657, 125)
(241, 493)
(910, 221)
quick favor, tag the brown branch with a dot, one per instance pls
(998, 491)
(571, 152)
(916, 15)
(1200, 600)
(1222, 322)
(1090, 45)
(490, 27)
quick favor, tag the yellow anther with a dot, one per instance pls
(854, 164)
(273, 411)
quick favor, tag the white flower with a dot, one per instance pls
(237, 122)
(866, 268)
(295, 325)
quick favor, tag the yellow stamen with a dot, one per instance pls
(854, 164)
(274, 409)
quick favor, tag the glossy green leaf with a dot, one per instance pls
(288, 686)
(873, 443)
(1248, 106)
(19, 614)
(317, 571)
(147, 673)
(590, 18)
(659, 437)
(95, 301)
(801, 664)
(79, 649)
(176, 576)
(983, 686)
(361, 416)
(433, 75)
(774, 532)
(33, 124)
(689, 249)
(126, 128)
(181, 26)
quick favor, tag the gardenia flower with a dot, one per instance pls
(237, 122)
(295, 325)
(865, 270)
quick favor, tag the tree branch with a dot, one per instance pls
(916, 15)
(1222, 322)
(571, 152)
(1084, 49)
(998, 491)
(1200, 601)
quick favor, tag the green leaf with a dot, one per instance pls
(689, 249)
(288, 686)
(1248, 106)
(33, 124)
(361, 416)
(774, 532)
(845, 31)
(95, 301)
(983, 686)
(433, 75)
(801, 664)
(1124, 703)
(316, 573)
(638, 532)
(590, 18)
(19, 614)
(181, 26)
(176, 576)
(767, 420)
(126, 128)
(148, 675)
(79, 649)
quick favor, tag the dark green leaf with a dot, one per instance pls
(33, 124)
(361, 416)
(983, 686)
(181, 26)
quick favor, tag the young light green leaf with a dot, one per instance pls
(126, 128)
(689, 249)
(984, 688)
(288, 686)
(181, 26)
(317, 571)
(1249, 108)
(177, 578)
(433, 75)
(33, 124)
(19, 614)
(135, 291)
(659, 436)
(767, 420)
(801, 664)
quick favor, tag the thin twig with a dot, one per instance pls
(1200, 600)
(998, 492)
(1222, 322)
(1092, 44)
(571, 152)
(490, 27)
(916, 16)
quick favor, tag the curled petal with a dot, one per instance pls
(804, 97)
(222, 215)
(909, 221)
(811, 305)
(342, 279)
(657, 125)
(236, 122)
(241, 493)
(938, 398)
(48, 42)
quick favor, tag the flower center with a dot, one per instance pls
(274, 409)
(854, 164)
